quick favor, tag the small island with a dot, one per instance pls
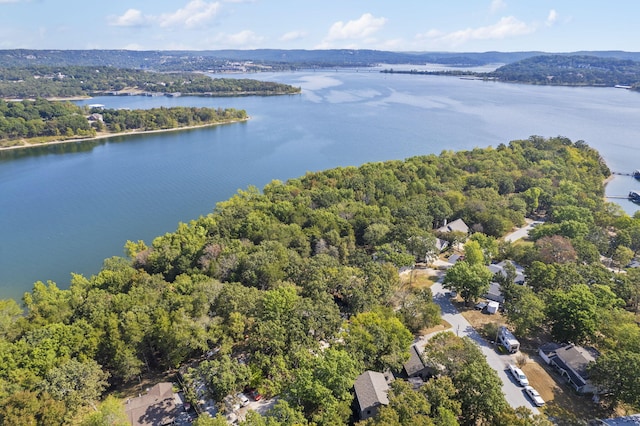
(30, 123)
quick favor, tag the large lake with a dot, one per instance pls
(66, 208)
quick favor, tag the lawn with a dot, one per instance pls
(563, 405)
(419, 278)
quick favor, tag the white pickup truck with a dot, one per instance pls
(518, 375)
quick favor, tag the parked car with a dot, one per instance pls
(518, 375)
(480, 306)
(534, 395)
(253, 393)
(243, 399)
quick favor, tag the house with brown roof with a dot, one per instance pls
(371, 390)
(158, 407)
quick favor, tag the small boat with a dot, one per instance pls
(634, 196)
(636, 174)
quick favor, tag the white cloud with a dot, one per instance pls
(293, 35)
(552, 18)
(362, 27)
(496, 5)
(506, 27)
(194, 14)
(245, 39)
(133, 46)
(131, 18)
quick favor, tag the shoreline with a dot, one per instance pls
(112, 135)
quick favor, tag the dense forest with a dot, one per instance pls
(294, 290)
(571, 71)
(554, 70)
(41, 120)
(70, 81)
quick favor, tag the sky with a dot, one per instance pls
(401, 25)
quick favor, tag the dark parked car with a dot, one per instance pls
(480, 306)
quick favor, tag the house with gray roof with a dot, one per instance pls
(572, 362)
(415, 367)
(457, 225)
(370, 389)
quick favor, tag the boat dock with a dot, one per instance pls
(635, 174)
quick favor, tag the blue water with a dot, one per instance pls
(68, 207)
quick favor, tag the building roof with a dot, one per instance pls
(441, 244)
(498, 268)
(574, 360)
(494, 293)
(157, 407)
(371, 389)
(632, 420)
(549, 348)
(415, 364)
(456, 225)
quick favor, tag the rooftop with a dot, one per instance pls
(371, 389)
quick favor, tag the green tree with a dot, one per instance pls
(573, 314)
(418, 310)
(110, 413)
(206, 420)
(287, 415)
(378, 339)
(30, 408)
(478, 385)
(524, 310)
(473, 254)
(224, 376)
(622, 256)
(441, 395)
(76, 383)
(618, 375)
(470, 281)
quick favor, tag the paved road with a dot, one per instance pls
(521, 232)
(514, 394)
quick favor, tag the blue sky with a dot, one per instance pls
(403, 25)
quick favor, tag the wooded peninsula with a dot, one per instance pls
(73, 81)
(293, 292)
(29, 123)
(557, 70)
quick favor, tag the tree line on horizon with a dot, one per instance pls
(72, 81)
(297, 288)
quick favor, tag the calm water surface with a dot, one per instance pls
(66, 208)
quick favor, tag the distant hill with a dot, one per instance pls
(218, 60)
(574, 70)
